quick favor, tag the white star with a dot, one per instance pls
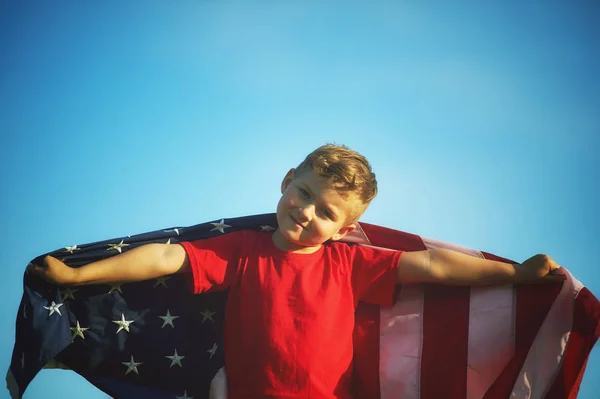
(266, 228)
(221, 226)
(212, 350)
(168, 241)
(22, 360)
(168, 319)
(131, 365)
(162, 280)
(184, 396)
(176, 231)
(117, 247)
(54, 308)
(115, 287)
(72, 248)
(207, 315)
(175, 359)
(123, 324)
(78, 331)
(68, 293)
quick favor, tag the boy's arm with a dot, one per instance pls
(444, 266)
(142, 263)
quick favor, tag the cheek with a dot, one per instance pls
(324, 228)
(281, 205)
(289, 199)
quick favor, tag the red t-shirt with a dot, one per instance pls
(289, 317)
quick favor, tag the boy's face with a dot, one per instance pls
(311, 212)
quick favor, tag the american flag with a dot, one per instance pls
(154, 339)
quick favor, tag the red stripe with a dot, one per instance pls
(586, 330)
(392, 239)
(490, 256)
(444, 355)
(532, 305)
(366, 351)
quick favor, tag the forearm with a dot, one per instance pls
(455, 268)
(142, 263)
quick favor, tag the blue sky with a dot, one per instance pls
(481, 122)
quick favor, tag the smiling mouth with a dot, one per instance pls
(295, 221)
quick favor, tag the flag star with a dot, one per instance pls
(184, 396)
(267, 228)
(68, 293)
(115, 287)
(131, 366)
(213, 350)
(54, 308)
(117, 247)
(72, 248)
(168, 319)
(207, 315)
(221, 226)
(78, 331)
(162, 280)
(175, 359)
(123, 324)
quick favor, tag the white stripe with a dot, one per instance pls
(430, 243)
(357, 235)
(546, 354)
(218, 385)
(491, 336)
(401, 329)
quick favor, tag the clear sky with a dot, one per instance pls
(481, 121)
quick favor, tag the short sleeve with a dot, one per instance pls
(214, 261)
(375, 274)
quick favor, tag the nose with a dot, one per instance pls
(307, 212)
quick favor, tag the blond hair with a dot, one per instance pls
(348, 171)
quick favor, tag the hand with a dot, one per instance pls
(538, 268)
(54, 271)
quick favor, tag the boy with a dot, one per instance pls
(290, 310)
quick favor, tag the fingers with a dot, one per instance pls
(553, 265)
(33, 268)
(546, 260)
(40, 270)
(30, 268)
(49, 259)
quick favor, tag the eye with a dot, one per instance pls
(304, 192)
(326, 213)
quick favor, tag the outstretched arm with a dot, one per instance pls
(444, 266)
(142, 263)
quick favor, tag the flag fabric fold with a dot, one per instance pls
(154, 339)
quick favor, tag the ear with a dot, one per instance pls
(287, 179)
(343, 231)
